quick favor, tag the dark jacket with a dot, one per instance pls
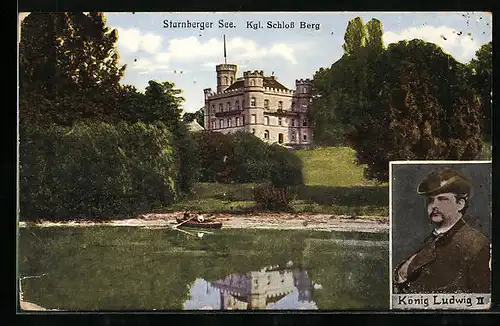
(453, 262)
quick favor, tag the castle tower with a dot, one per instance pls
(303, 87)
(253, 82)
(226, 74)
(207, 111)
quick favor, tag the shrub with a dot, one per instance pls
(244, 158)
(270, 197)
(252, 158)
(286, 168)
(95, 170)
(216, 158)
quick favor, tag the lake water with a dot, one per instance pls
(131, 268)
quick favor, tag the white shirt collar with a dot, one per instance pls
(445, 229)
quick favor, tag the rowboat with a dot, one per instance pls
(196, 224)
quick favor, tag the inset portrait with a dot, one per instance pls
(440, 216)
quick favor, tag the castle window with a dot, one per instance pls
(304, 107)
(229, 123)
(252, 101)
(214, 125)
(221, 123)
(266, 134)
(237, 105)
(280, 138)
(253, 131)
(225, 80)
(304, 123)
(279, 121)
(252, 82)
(228, 106)
(266, 120)
(293, 122)
(253, 118)
(266, 104)
(237, 121)
(220, 107)
(304, 137)
(243, 120)
(293, 135)
(232, 80)
(280, 105)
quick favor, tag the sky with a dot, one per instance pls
(188, 56)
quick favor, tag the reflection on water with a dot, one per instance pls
(271, 287)
(155, 269)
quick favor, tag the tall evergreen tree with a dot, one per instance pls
(421, 107)
(482, 77)
(355, 36)
(68, 67)
(374, 34)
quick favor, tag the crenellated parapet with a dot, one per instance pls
(215, 95)
(303, 82)
(255, 73)
(279, 91)
(226, 67)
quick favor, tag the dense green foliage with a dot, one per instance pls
(243, 158)
(69, 73)
(95, 170)
(198, 116)
(482, 78)
(270, 198)
(68, 68)
(407, 102)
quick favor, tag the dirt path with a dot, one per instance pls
(281, 221)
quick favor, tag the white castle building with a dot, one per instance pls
(260, 105)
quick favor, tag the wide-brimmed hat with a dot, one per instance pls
(445, 180)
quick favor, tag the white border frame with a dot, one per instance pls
(391, 163)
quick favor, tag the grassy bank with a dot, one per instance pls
(334, 184)
(332, 166)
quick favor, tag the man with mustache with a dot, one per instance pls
(455, 257)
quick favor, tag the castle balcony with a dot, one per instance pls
(228, 113)
(281, 113)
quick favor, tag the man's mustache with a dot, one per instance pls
(435, 213)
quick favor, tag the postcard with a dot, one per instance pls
(175, 161)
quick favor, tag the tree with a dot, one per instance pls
(482, 72)
(163, 103)
(340, 91)
(199, 116)
(68, 67)
(421, 107)
(355, 36)
(374, 34)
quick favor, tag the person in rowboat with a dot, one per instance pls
(199, 218)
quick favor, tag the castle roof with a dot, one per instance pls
(237, 84)
(269, 82)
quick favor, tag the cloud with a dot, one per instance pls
(463, 46)
(133, 40)
(191, 49)
(147, 66)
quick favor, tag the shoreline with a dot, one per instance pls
(280, 221)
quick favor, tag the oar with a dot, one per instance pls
(189, 219)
